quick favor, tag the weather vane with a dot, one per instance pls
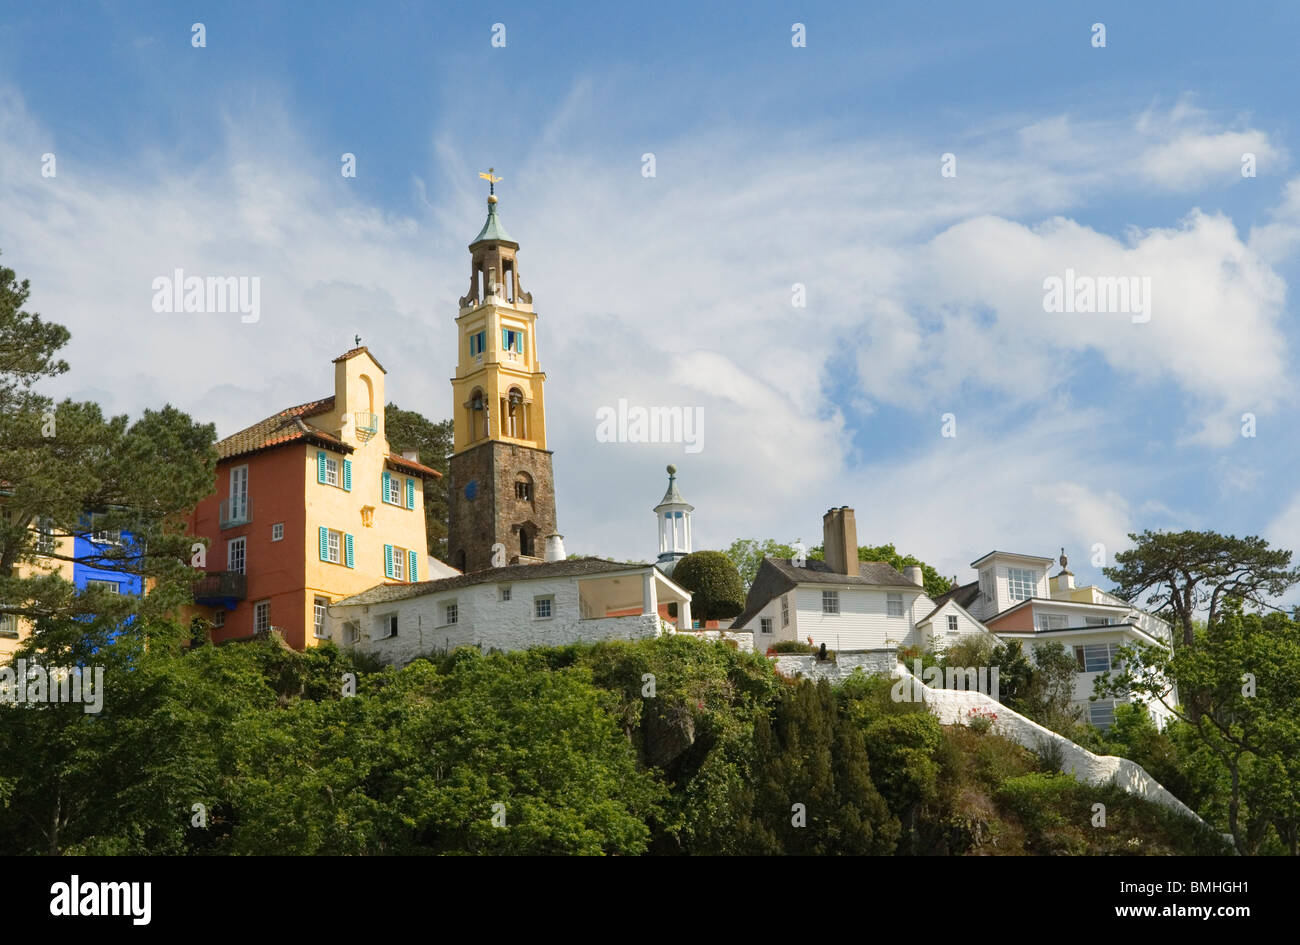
(491, 179)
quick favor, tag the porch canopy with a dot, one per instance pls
(633, 593)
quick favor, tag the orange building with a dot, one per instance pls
(310, 506)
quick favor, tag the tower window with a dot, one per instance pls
(512, 341)
(477, 342)
(525, 542)
(524, 487)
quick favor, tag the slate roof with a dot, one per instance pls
(963, 595)
(777, 575)
(576, 567)
(287, 426)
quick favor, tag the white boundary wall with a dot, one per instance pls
(953, 706)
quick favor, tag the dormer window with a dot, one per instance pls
(1020, 583)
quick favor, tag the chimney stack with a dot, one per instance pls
(840, 539)
(412, 455)
(555, 548)
(914, 574)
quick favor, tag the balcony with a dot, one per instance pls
(221, 589)
(367, 424)
(236, 512)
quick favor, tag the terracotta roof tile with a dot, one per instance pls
(400, 462)
(287, 426)
(356, 351)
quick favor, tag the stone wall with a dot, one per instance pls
(495, 514)
(796, 665)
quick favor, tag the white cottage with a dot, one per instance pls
(511, 608)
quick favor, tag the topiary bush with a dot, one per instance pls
(716, 589)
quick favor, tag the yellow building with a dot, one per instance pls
(311, 506)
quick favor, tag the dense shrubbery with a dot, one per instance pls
(665, 746)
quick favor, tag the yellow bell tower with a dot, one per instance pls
(498, 384)
(502, 489)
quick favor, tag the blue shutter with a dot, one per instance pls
(347, 550)
(410, 493)
(414, 560)
(519, 339)
(320, 466)
(386, 478)
(388, 560)
(347, 475)
(505, 340)
(324, 541)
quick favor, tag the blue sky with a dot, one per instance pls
(774, 165)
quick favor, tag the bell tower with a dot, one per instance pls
(502, 489)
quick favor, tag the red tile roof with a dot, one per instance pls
(287, 426)
(397, 461)
(356, 351)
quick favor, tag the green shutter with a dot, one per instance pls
(520, 339)
(320, 466)
(410, 493)
(414, 560)
(505, 340)
(347, 475)
(324, 541)
(388, 560)
(347, 550)
(386, 478)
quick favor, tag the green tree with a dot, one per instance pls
(1186, 572)
(408, 430)
(813, 790)
(1243, 669)
(714, 583)
(748, 553)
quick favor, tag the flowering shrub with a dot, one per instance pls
(980, 720)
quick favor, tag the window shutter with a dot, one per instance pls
(410, 493)
(324, 541)
(413, 572)
(347, 549)
(386, 478)
(519, 338)
(505, 340)
(320, 466)
(388, 560)
(347, 475)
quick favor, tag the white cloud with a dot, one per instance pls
(676, 290)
